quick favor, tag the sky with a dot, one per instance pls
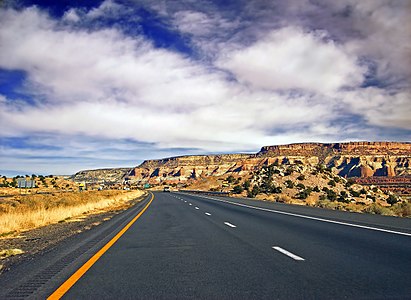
(100, 84)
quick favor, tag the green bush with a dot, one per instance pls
(289, 171)
(276, 190)
(230, 179)
(392, 199)
(289, 184)
(331, 195)
(301, 177)
(354, 193)
(300, 186)
(254, 192)
(247, 184)
(371, 197)
(331, 183)
(238, 189)
(343, 197)
(304, 194)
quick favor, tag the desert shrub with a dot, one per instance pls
(327, 204)
(254, 192)
(247, 184)
(343, 197)
(304, 194)
(354, 193)
(363, 191)
(392, 199)
(289, 171)
(402, 209)
(289, 184)
(316, 189)
(371, 197)
(230, 179)
(378, 210)
(238, 189)
(320, 168)
(331, 183)
(283, 199)
(337, 179)
(301, 177)
(331, 195)
(300, 186)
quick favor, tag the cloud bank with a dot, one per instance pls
(249, 79)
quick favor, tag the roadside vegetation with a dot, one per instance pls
(299, 183)
(24, 212)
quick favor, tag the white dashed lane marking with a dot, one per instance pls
(230, 225)
(288, 253)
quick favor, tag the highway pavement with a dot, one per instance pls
(186, 246)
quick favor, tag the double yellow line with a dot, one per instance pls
(57, 294)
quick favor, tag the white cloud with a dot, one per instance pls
(380, 107)
(200, 24)
(71, 15)
(103, 85)
(106, 8)
(378, 30)
(290, 58)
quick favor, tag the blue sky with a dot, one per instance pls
(112, 83)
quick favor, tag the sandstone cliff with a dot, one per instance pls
(114, 175)
(354, 159)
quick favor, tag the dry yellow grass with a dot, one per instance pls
(10, 252)
(26, 212)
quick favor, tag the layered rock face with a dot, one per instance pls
(354, 159)
(108, 175)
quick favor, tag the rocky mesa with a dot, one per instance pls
(352, 159)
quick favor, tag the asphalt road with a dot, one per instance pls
(198, 247)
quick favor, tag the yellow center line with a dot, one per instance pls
(57, 294)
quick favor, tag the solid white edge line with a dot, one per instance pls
(229, 224)
(208, 214)
(311, 218)
(288, 253)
